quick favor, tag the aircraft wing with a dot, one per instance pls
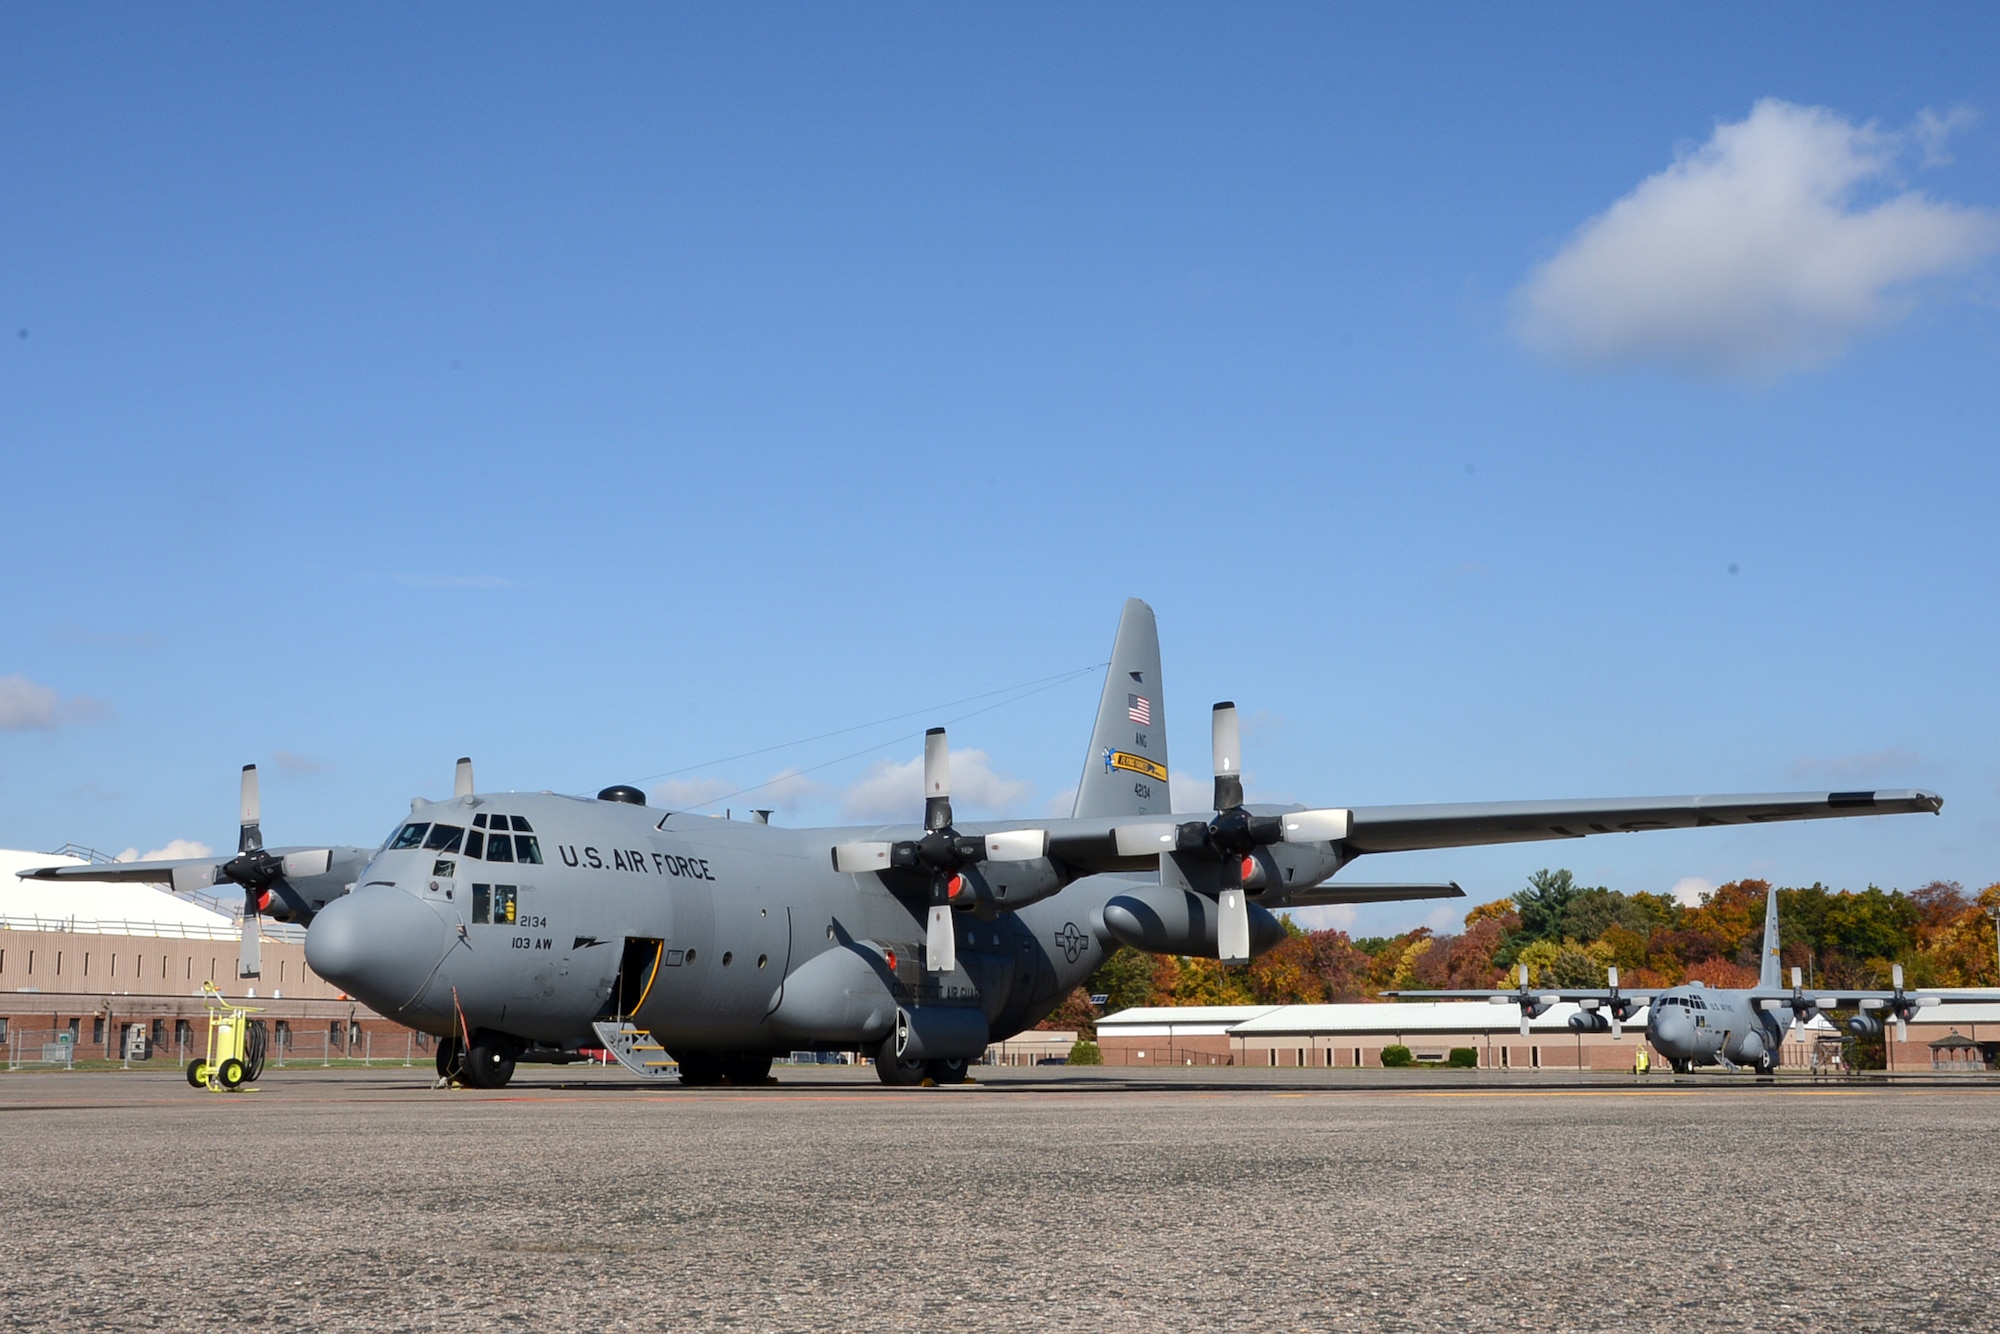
(1851, 999)
(1409, 828)
(132, 873)
(1313, 896)
(1553, 995)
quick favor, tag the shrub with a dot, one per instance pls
(1396, 1056)
(1085, 1052)
(1463, 1058)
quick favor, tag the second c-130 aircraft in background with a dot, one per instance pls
(518, 926)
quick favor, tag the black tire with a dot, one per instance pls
(893, 1070)
(747, 1071)
(230, 1073)
(700, 1069)
(450, 1065)
(950, 1071)
(489, 1064)
(198, 1073)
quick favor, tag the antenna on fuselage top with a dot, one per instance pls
(461, 783)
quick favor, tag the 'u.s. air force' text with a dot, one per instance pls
(637, 861)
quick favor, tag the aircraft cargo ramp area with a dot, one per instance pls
(362, 1199)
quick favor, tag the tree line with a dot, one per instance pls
(1569, 935)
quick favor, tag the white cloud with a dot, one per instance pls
(1190, 791)
(1851, 768)
(27, 706)
(1326, 917)
(893, 792)
(1061, 805)
(180, 849)
(1689, 890)
(1754, 254)
(294, 763)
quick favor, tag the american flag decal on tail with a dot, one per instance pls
(1139, 709)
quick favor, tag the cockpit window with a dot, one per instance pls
(527, 848)
(521, 825)
(475, 844)
(499, 848)
(479, 821)
(412, 835)
(444, 838)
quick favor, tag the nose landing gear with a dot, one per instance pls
(487, 1064)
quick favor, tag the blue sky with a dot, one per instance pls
(606, 394)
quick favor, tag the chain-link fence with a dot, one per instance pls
(177, 1043)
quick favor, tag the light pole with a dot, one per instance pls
(1994, 913)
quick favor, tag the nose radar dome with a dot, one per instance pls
(379, 945)
(631, 796)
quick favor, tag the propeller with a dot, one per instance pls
(943, 853)
(1803, 1007)
(1904, 1007)
(260, 874)
(1234, 835)
(1532, 1005)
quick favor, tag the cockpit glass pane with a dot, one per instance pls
(527, 848)
(498, 849)
(479, 821)
(521, 825)
(444, 837)
(412, 835)
(475, 844)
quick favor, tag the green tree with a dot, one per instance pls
(1124, 979)
(1544, 904)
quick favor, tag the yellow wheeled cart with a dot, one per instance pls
(235, 1046)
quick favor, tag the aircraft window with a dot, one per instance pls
(412, 835)
(475, 844)
(527, 848)
(499, 849)
(482, 904)
(444, 838)
(521, 825)
(503, 905)
(479, 822)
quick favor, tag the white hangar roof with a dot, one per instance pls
(98, 907)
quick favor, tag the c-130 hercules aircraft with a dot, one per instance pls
(520, 926)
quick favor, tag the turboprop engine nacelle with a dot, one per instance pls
(1161, 919)
(1589, 1021)
(1748, 1049)
(1865, 1026)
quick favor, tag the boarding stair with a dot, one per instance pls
(636, 1049)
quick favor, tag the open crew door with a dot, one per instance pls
(636, 972)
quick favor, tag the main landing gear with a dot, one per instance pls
(893, 1069)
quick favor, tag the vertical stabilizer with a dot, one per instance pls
(1769, 975)
(1125, 770)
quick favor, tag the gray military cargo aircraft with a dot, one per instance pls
(1733, 1027)
(518, 926)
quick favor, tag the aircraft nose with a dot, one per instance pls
(379, 945)
(1672, 1031)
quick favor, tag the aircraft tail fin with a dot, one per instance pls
(1770, 974)
(1125, 769)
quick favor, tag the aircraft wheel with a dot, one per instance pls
(450, 1063)
(197, 1073)
(892, 1069)
(230, 1073)
(950, 1071)
(700, 1070)
(747, 1071)
(489, 1064)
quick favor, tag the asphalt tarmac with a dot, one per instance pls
(346, 1200)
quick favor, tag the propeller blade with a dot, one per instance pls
(1798, 975)
(941, 941)
(937, 781)
(1896, 976)
(188, 879)
(461, 779)
(312, 862)
(1902, 1030)
(1017, 845)
(249, 838)
(248, 963)
(1611, 977)
(1232, 933)
(1227, 740)
(1524, 1023)
(1328, 826)
(857, 858)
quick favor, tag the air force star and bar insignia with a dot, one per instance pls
(1115, 760)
